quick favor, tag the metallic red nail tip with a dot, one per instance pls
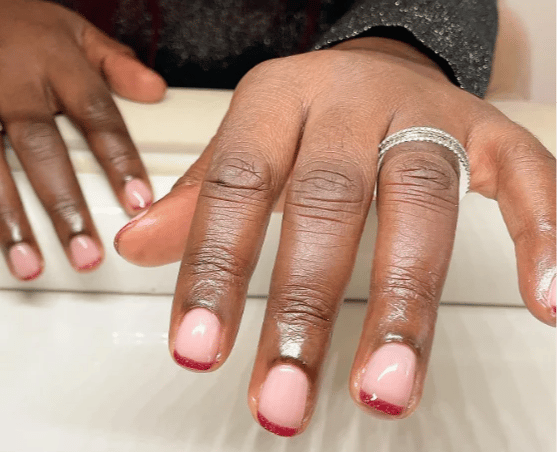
(91, 265)
(33, 276)
(190, 363)
(274, 428)
(380, 405)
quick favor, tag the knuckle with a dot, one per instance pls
(410, 285)
(120, 159)
(38, 138)
(427, 181)
(240, 176)
(66, 208)
(335, 186)
(420, 171)
(217, 262)
(302, 306)
(99, 111)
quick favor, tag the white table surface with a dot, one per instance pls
(91, 373)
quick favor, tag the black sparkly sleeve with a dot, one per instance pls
(458, 34)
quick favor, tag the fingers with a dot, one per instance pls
(124, 73)
(417, 208)
(44, 158)
(16, 238)
(525, 175)
(89, 105)
(158, 236)
(324, 214)
(253, 153)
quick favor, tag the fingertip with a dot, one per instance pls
(130, 78)
(155, 237)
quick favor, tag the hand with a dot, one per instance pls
(316, 120)
(53, 60)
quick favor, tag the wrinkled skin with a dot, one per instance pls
(52, 60)
(308, 126)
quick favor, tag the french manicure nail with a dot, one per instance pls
(282, 401)
(551, 295)
(84, 252)
(388, 379)
(197, 341)
(25, 262)
(138, 195)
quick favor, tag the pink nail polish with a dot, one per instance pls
(198, 339)
(84, 252)
(551, 296)
(388, 379)
(138, 195)
(282, 401)
(26, 264)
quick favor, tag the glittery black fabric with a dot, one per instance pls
(213, 43)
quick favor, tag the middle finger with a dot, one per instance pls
(324, 215)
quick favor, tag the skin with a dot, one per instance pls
(308, 126)
(54, 61)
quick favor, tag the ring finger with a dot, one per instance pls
(417, 208)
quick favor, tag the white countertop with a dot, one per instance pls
(92, 373)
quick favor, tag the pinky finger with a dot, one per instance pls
(526, 197)
(16, 238)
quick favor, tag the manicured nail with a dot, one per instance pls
(388, 379)
(26, 264)
(551, 296)
(138, 195)
(282, 401)
(197, 341)
(84, 252)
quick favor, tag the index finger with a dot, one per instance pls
(253, 154)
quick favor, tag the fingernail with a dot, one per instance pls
(197, 341)
(84, 252)
(25, 262)
(282, 401)
(129, 225)
(138, 195)
(551, 296)
(388, 379)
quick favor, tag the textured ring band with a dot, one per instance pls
(431, 135)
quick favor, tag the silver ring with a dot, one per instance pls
(431, 135)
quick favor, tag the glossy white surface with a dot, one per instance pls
(91, 373)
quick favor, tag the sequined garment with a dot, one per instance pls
(212, 43)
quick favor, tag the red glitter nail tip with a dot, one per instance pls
(190, 363)
(33, 276)
(274, 428)
(380, 405)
